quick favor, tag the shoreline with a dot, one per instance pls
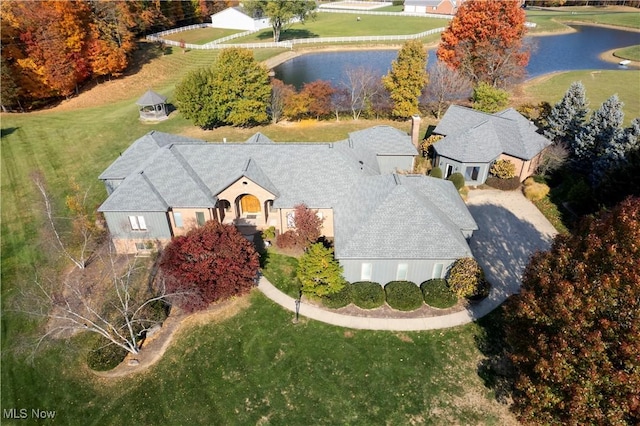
(283, 57)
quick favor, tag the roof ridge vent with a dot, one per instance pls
(246, 165)
(396, 178)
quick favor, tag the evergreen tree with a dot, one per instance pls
(489, 99)
(318, 272)
(614, 154)
(193, 95)
(407, 79)
(568, 116)
(597, 137)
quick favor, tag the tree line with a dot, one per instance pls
(50, 48)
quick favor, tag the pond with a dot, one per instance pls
(578, 50)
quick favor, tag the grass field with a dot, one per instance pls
(631, 52)
(256, 367)
(201, 35)
(553, 20)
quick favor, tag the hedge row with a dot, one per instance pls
(400, 295)
(504, 184)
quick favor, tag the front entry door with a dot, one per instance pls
(250, 204)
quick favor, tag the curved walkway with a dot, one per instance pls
(511, 229)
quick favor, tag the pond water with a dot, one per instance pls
(571, 51)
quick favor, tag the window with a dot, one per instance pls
(437, 270)
(365, 272)
(401, 273)
(137, 223)
(177, 218)
(200, 218)
(471, 173)
(291, 220)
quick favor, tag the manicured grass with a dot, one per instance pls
(201, 35)
(260, 368)
(631, 53)
(599, 85)
(280, 270)
(553, 20)
(345, 25)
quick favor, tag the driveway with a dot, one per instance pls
(511, 229)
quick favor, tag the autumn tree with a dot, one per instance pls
(308, 225)
(235, 90)
(296, 105)
(485, 41)
(573, 332)
(319, 94)
(281, 13)
(280, 92)
(318, 272)
(209, 263)
(445, 86)
(407, 78)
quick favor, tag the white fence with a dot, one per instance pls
(179, 30)
(373, 12)
(290, 43)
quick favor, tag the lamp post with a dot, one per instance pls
(297, 302)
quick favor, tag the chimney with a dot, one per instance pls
(415, 131)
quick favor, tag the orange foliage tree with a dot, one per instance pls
(573, 332)
(485, 42)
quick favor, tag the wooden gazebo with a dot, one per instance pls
(152, 106)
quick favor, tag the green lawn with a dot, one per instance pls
(260, 368)
(345, 25)
(553, 20)
(599, 85)
(201, 35)
(631, 52)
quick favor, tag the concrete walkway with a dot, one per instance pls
(511, 229)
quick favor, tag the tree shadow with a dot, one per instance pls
(503, 245)
(289, 34)
(7, 131)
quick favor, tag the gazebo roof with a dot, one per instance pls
(151, 98)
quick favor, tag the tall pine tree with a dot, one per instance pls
(568, 116)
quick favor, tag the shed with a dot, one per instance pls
(152, 106)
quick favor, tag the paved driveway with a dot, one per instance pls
(510, 230)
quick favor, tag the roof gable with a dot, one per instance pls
(151, 98)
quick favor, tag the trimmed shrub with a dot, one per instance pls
(536, 191)
(269, 233)
(504, 184)
(436, 172)
(338, 300)
(503, 169)
(403, 295)
(288, 240)
(529, 181)
(457, 179)
(436, 293)
(367, 294)
(466, 277)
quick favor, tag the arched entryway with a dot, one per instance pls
(249, 204)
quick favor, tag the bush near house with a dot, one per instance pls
(436, 172)
(287, 240)
(503, 169)
(466, 278)
(503, 184)
(535, 191)
(458, 180)
(338, 300)
(367, 294)
(437, 294)
(403, 295)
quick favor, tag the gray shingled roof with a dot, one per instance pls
(377, 216)
(399, 223)
(151, 98)
(476, 137)
(259, 138)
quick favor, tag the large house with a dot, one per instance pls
(474, 140)
(386, 225)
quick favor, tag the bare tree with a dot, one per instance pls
(361, 85)
(446, 85)
(85, 235)
(553, 157)
(279, 94)
(119, 311)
